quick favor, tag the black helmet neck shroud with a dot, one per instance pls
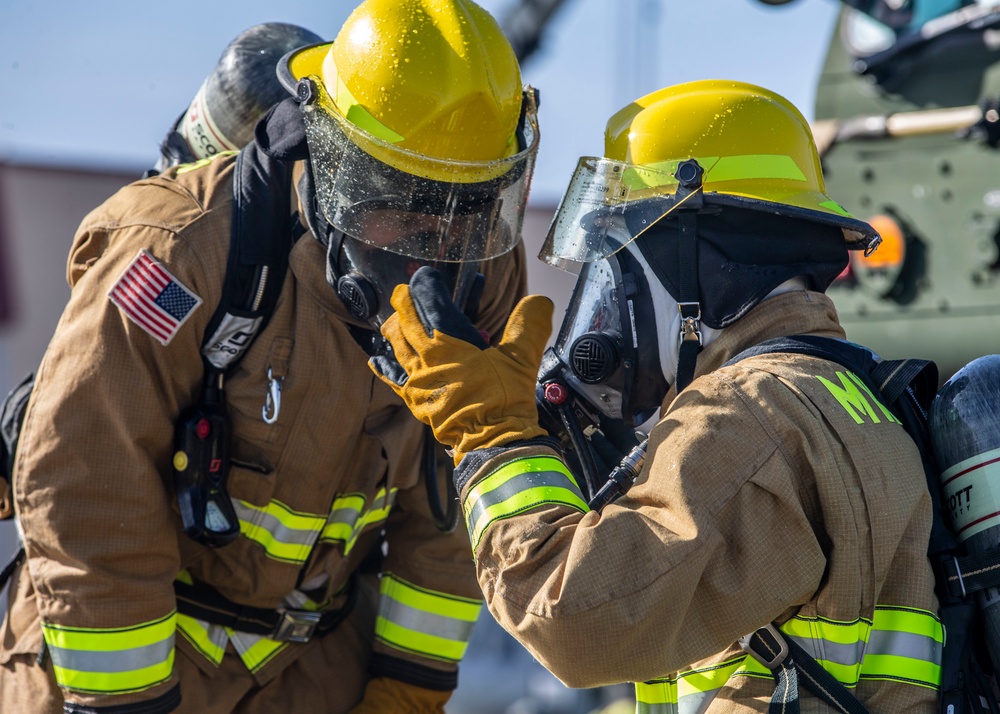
(719, 261)
(742, 255)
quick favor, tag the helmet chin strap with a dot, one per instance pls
(689, 197)
(670, 338)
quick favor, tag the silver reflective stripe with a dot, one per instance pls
(284, 534)
(696, 703)
(846, 654)
(114, 661)
(514, 486)
(255, 650)
(344, 516)
(904, 644)
(426, 622)
(207, 638)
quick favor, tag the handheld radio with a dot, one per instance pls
(201, 467)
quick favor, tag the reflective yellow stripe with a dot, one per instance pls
(184, 168)
(919, 622)
(906, 646)
(717, 168)
(255, 650)
(285, 535)
(114, 660)
(205, 637)
(836, 208)
(691, 691)
(902, 645)
(517, 487)
(424, 622)
(348, 519)
(344, 514)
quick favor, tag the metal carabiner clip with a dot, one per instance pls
(272, 403)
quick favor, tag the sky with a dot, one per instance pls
(98, 83)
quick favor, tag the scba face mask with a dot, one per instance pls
(387, 222)
(608, 351)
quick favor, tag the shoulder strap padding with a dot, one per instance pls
(260, 241)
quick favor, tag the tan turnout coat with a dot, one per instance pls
(93, 482)
(762, 497)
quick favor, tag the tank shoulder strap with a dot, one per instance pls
(263, 230)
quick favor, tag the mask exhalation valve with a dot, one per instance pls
(594, 357)
(358, 295)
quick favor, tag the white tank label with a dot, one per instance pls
(972, 493)
(201, 133)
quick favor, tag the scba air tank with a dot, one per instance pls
(237, 93)
(965, 432)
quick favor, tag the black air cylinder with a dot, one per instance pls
(965, 432)
(237, 93)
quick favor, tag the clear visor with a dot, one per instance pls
(603, 193)
(595, 308)
(415, 205)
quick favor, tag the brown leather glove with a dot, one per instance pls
(472, 395)
(384, 695)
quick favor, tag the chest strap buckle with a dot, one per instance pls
(295, 625)
(767, 645)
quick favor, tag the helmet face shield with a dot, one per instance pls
(601, 194)
(475, 215)
(604, 190)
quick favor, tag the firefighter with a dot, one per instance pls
(408, 141)
(776, 495)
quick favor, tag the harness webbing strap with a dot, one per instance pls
(787, 660)
(205, 603)
(688, 304)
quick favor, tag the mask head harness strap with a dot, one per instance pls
(689, 198)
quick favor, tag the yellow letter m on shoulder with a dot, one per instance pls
(856, 398)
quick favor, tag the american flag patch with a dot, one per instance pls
(152, 298)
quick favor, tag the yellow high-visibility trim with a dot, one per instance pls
(697, 687)
(262, 651)
(909, 664)
(717, 168)
(303, 527)
(348, 519)
(844, 633)
(919, 622)
(419, 643)
(901, 669)
(693, 682)
(452, 606)
(194, 631)
(184, 168)
(517, 487)
(135, 680)
(112, 639)
(112, 660)
(425, 622)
